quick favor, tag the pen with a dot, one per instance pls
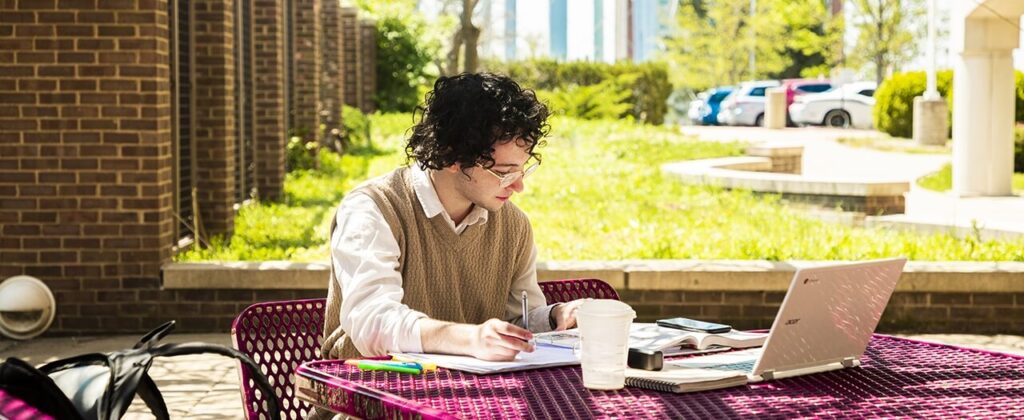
(526, 317)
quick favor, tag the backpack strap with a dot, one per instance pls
(32, 386)
(151, 395)
(179, 349)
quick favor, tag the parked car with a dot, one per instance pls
(704, 109)
(845, 106)
(799, 87)
(745, 105)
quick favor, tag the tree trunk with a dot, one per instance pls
(452, 66)
(470, 36)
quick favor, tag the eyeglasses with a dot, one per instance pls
(508, 178)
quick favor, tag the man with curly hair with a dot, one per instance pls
(433, 257)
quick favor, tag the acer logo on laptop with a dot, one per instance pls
(792, 321)
(810, 280)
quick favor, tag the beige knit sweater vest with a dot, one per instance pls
(450, 277)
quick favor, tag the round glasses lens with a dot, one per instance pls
(510, 179)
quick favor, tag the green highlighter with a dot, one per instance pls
(401, 367)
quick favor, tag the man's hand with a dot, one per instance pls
(497, 340)
(565, 314)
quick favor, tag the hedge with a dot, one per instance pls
(894, 100)
(648, 92)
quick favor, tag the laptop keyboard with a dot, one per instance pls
(744, 366)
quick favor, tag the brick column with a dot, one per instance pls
(330, 65)
(306, 49)
(215, 139)
(368, 63)
(85, 154)
(269, 125)
(352, 94)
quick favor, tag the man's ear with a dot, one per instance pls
(453, 168)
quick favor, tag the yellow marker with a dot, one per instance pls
(427, 366)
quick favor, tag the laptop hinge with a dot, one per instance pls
(768, 375)
(850, 362)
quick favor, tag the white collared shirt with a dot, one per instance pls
(365, 257)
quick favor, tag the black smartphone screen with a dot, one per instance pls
(693, 325)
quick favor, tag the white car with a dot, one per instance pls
(845, 106)
(745, 105)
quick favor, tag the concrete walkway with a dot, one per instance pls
(206, 387)
(926, 210)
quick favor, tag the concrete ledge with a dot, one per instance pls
(674, 275)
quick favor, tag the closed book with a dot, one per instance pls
(681, 379)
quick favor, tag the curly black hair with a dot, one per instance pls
(466, 115)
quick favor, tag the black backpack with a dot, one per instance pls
(101, 386)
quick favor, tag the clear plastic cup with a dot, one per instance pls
(604, 342)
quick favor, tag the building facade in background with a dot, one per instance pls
(126, 127)
(592, 30)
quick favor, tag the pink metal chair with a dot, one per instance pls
(278, 336)
(559, 291)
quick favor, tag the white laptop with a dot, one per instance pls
(824, 323)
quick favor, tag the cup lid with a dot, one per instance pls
(606, 307)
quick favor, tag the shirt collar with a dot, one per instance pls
(427, 194)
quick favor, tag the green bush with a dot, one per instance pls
(1018, 146)
(402, 61)
(605, 100)
(648, 89)
(894, 106)
(301, 154)
(356, 126)
(894, 100)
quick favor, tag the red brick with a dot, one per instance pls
(58, 177)
(33, 30)
(11, 16)
(79, 164)
(57, 71)
(113, 30)
(57, 203)
(97, 98)
(119, 164)
(17, 98)
(38, 217)
(77, 4)
(19, 257)
(79, 217)
(77, 84)
(95, 17)
(18, 203)
(95, 44)
(61, 230)
(57, 98)
(37, 190)
(76, 57)
(76, 31)
(56, 17)
(39, 111)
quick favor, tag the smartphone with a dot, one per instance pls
(693, 325)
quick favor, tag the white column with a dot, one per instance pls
(983, 107)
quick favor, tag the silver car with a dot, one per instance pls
(745, 105)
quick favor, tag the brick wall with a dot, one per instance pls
(85, 153)
(214, 111)
(306, 49)
(368, 63)
(268, 69)
(331, 76)
(351, 94)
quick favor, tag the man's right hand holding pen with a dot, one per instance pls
(493, 340)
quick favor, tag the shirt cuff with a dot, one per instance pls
(540, 319)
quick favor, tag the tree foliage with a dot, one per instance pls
(405, 50)
(713, 39)
(886, 34)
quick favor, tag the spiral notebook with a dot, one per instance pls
(678, 379)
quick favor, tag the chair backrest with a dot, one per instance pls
(278, 336)
(559, 291)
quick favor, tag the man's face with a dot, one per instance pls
(483, 188)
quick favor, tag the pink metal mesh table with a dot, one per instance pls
(898, 378)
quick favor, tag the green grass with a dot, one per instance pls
(943, 180)
(600, 195)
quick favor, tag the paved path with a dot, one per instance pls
(925, 210)
(206, 387)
